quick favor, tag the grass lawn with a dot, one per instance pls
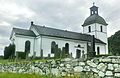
(4, 61)
(17, 75)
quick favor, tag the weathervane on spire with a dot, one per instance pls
(93, 3)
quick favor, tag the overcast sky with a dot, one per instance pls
(62, 14)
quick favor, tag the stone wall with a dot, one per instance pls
(104, 67)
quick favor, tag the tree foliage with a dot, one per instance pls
(114, 44)
(9, 51)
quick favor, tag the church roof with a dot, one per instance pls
(46, 31)
(24, 32)
(94, 19)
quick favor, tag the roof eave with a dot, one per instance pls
(24, 35)
(11, 33)
(93, 23)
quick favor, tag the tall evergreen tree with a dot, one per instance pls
(9, 51)
(114, 44)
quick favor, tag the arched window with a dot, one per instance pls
(27, 46)
(53, 44)
(101, 28)
(66, 48)
(98, 50)
(89, 29)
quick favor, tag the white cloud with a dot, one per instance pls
(13, 10)
(3, 23)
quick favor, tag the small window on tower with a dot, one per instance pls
(89, 29)
(101, 28)
(95, 12)
(92, 12)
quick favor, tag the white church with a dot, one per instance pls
(40, 41)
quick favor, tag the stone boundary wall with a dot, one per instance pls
(104, 67)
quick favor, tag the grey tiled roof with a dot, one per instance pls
(94, 19)
(42, 30)
(24, 32)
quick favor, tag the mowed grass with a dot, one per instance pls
(17, 75)
(3, 61)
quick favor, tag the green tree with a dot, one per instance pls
(114, 44)
(9, 51)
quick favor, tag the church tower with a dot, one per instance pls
(96, 25)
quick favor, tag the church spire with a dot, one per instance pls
(93, 3)
(32, 22)
(94, 10)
